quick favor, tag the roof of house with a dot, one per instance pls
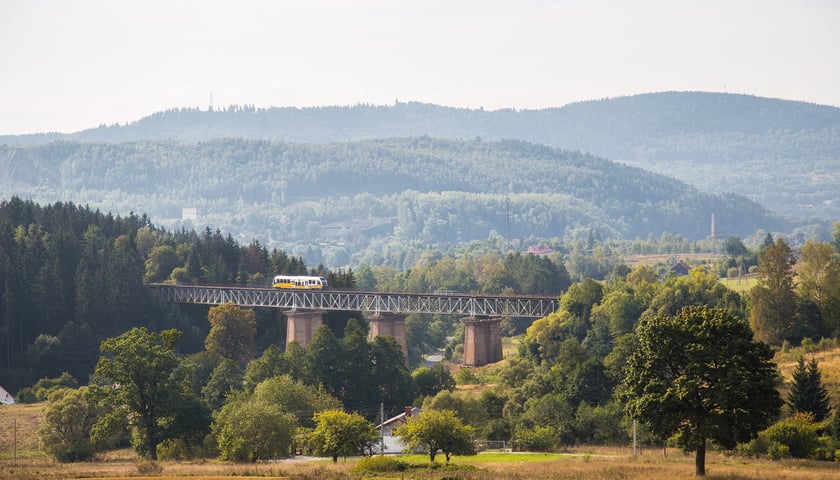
(399, 418)
(681, 267)
(539, 249)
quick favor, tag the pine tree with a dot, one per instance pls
(807, 392)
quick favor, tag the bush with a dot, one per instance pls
(798, 433)
(44, 387)
(538, 439)
(824, 450)
(68, 420)
(379, 464)
(777, 451)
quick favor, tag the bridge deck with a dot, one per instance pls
(458, 304)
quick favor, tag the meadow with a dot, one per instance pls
(584, 463)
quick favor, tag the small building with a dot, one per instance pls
(680, 268)
(392, 443)
(5, 397)
(189, 213)
(539, 250)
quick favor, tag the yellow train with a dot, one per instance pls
(299, 282)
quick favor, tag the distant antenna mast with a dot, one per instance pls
(210, 108)
(714, 245)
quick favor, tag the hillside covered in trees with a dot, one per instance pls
(346, 203)
(781, 153)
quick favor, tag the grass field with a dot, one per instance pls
(578, 463)
(593, 464)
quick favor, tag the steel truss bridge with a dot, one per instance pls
(373, 302)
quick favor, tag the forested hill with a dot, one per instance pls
(784, 154)
(345, 196)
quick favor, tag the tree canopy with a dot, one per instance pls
(436, 430)
(136, 378)
(700, 374)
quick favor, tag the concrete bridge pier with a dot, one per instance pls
(482, 340)
(301, 325)
(389, 325)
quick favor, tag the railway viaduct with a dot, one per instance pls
(386, 312)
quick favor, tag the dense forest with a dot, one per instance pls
(346, 203)
(71, 277)
(780, 153)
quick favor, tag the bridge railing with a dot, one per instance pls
(448, 303)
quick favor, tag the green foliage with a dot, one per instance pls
(270, 364)
(135, 378)
(378, 464)
(429, 381)
(436, 430)
(536, 439)
(249, 429)
(68, 421)
(773, 303)
(700, 375)
(232, 332)
(291, 395)
(338, 434)
(226, 376)
(807, 393)
(44, 387)
(467, 408)
(795, 436)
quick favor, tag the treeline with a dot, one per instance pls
(71, 276)
(339, 203)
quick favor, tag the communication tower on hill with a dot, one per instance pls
(714, 244)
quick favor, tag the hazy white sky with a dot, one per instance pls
(69, 65)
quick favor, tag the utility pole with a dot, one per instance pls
(382, 428)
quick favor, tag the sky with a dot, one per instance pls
(70, 65)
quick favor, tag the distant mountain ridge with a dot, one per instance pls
(783, 154)
(347, 197)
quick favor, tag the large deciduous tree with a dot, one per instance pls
(136, 378)
(700, 374)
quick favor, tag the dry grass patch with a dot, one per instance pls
(19, 430)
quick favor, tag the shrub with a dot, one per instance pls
(379, 464)
(798, 433)
(778, 451)
(44, 387)
(538, 439)
(68, 420)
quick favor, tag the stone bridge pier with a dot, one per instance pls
(389, 325)
(301, 325)
(482, 340)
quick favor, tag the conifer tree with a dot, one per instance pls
(807, 392)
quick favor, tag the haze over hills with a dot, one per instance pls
(782, 154)
(345, 198)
